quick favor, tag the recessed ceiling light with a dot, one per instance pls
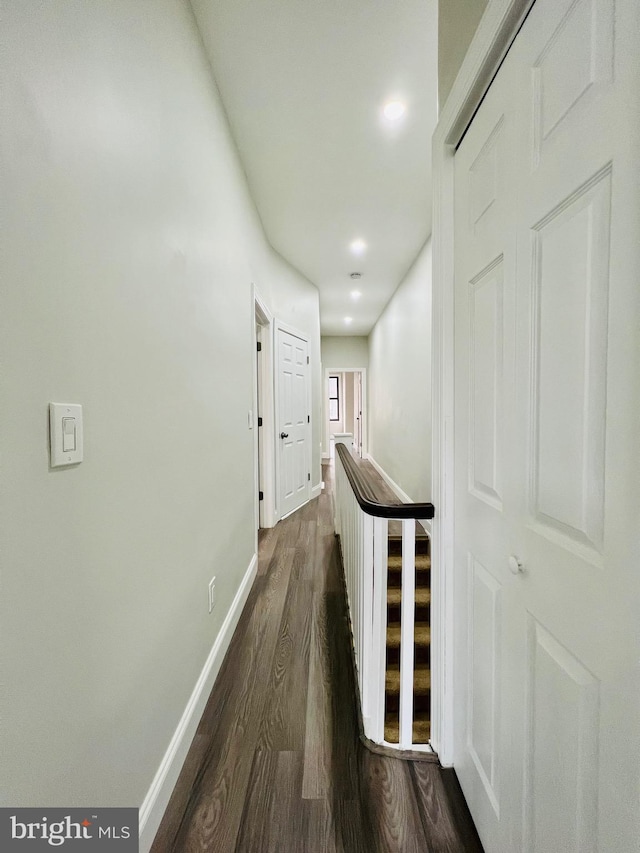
(358, 246)
(393, 110)
(348, 320)
(355, 295)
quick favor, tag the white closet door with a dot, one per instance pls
(485, 453)
(547, 414)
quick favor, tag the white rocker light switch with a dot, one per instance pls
(65, 431)
(68, 434)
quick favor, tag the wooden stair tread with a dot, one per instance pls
(421, 731)
(394, 595)
(394, 544)
(421, 634)
(421, 680)
(422, 538)
(423, 562)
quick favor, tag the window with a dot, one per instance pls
(334, 398)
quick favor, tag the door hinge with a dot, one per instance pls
(259, 422)
(259, 346)
(307, 359)
(260, 496)
(308, 476)
(308, 419)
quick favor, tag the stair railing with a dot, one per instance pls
(362, 523)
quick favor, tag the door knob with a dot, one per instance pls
(515, 565)
(284, 435)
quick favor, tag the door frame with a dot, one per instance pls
(281, 326)
(496, 32)
(330, 371)
(263, 401)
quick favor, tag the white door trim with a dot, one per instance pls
(499, 25)
(331, 371)
(264, 465)
(280, 325)
(263, 314)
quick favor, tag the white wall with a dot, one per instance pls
(344, 351)
(400, 383)
(457, 24)
(131, 244)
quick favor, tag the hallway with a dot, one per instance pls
(276, 764)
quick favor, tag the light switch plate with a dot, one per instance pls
(65, 433)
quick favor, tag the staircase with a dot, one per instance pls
(422, 641)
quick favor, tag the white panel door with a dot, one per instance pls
(547, 562)
(484, 462)
(293, 422)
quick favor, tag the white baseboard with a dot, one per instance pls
(326, 457)
(391, 483)
(315, 491)
(159, 793)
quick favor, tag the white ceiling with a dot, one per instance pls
(303, 83)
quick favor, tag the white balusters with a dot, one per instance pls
(364, 543)
(366, 600)
(407, 619)
(378, 659)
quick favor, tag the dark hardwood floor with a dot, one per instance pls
(276, 765)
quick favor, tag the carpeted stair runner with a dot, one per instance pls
(422, 642)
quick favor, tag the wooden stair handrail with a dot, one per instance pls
(366, 497)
